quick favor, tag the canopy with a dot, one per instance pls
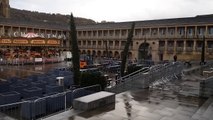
(30, 35)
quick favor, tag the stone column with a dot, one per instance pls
(1, 30)
(166, 32)
(120, 44)
(184, 46)
(120, 33)
(175, 31)
(113, 44)
(195, 35)
(150, 33)
(175, 46)
(166, 47)
(96, 45)
(194, 46)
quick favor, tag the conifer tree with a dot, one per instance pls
(126, 49)
(75, 51)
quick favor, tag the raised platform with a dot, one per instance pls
(93, 101)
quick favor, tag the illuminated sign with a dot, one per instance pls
(5, 41)
(55, 42)
(20, 41)
(23, 41)
(37, 42)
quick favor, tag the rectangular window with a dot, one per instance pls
(94, 33)
(161, 43)
(89, 43)
(94, 43)
(201, 31)
(123, 43)
(211, 30)
(99, 42)
(189, 43)
(84, 42)
(79, 43)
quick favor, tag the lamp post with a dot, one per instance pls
(106, 47)
(202, 62)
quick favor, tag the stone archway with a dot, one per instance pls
(99, 54)
(110, 54)
(116, 55)
(88, 52)
(144, 51)
(104, 53)
(130, 55)
(93, 53)
(83, 52)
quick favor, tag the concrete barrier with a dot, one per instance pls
(93, 101)
(206, 87)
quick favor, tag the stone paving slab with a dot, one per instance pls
(209, 112)
(4, 117)
(141, 109)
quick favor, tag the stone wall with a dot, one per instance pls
(206, 87)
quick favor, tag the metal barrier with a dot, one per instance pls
(145, 78)
(19, 61)
(13, 110)
(85, 91)
(164, 75)
(35, 107)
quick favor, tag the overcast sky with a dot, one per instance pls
(119, 10)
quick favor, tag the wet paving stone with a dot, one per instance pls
(144, 104)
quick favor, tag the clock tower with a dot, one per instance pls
(4, 8)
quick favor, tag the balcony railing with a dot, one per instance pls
(198, 49)
(161, 48)
(189, 49)
(180, 36)
(170, 50)
(209, 36)
(210, 50)
(179, 49)
(82, 46)
(168, 35)
(100, 46)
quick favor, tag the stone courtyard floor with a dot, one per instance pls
(177, 101)
(141, 105)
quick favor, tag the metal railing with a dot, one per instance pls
(165, 74)
(20, 61)
(36, 108)
(146, 77)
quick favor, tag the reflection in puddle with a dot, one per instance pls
(97, 111)
(7, 72)
(128, 106)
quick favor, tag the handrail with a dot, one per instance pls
(97, 85)
(154, 73)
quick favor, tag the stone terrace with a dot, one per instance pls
(177, 101)
(140, 105)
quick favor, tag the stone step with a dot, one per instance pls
(199, 115)
(209, 112)
(194, 92)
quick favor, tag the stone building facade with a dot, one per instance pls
(155, 40)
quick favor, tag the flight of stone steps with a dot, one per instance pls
(205, 112)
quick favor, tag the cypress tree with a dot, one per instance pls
(126, 49)
(75, 51)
